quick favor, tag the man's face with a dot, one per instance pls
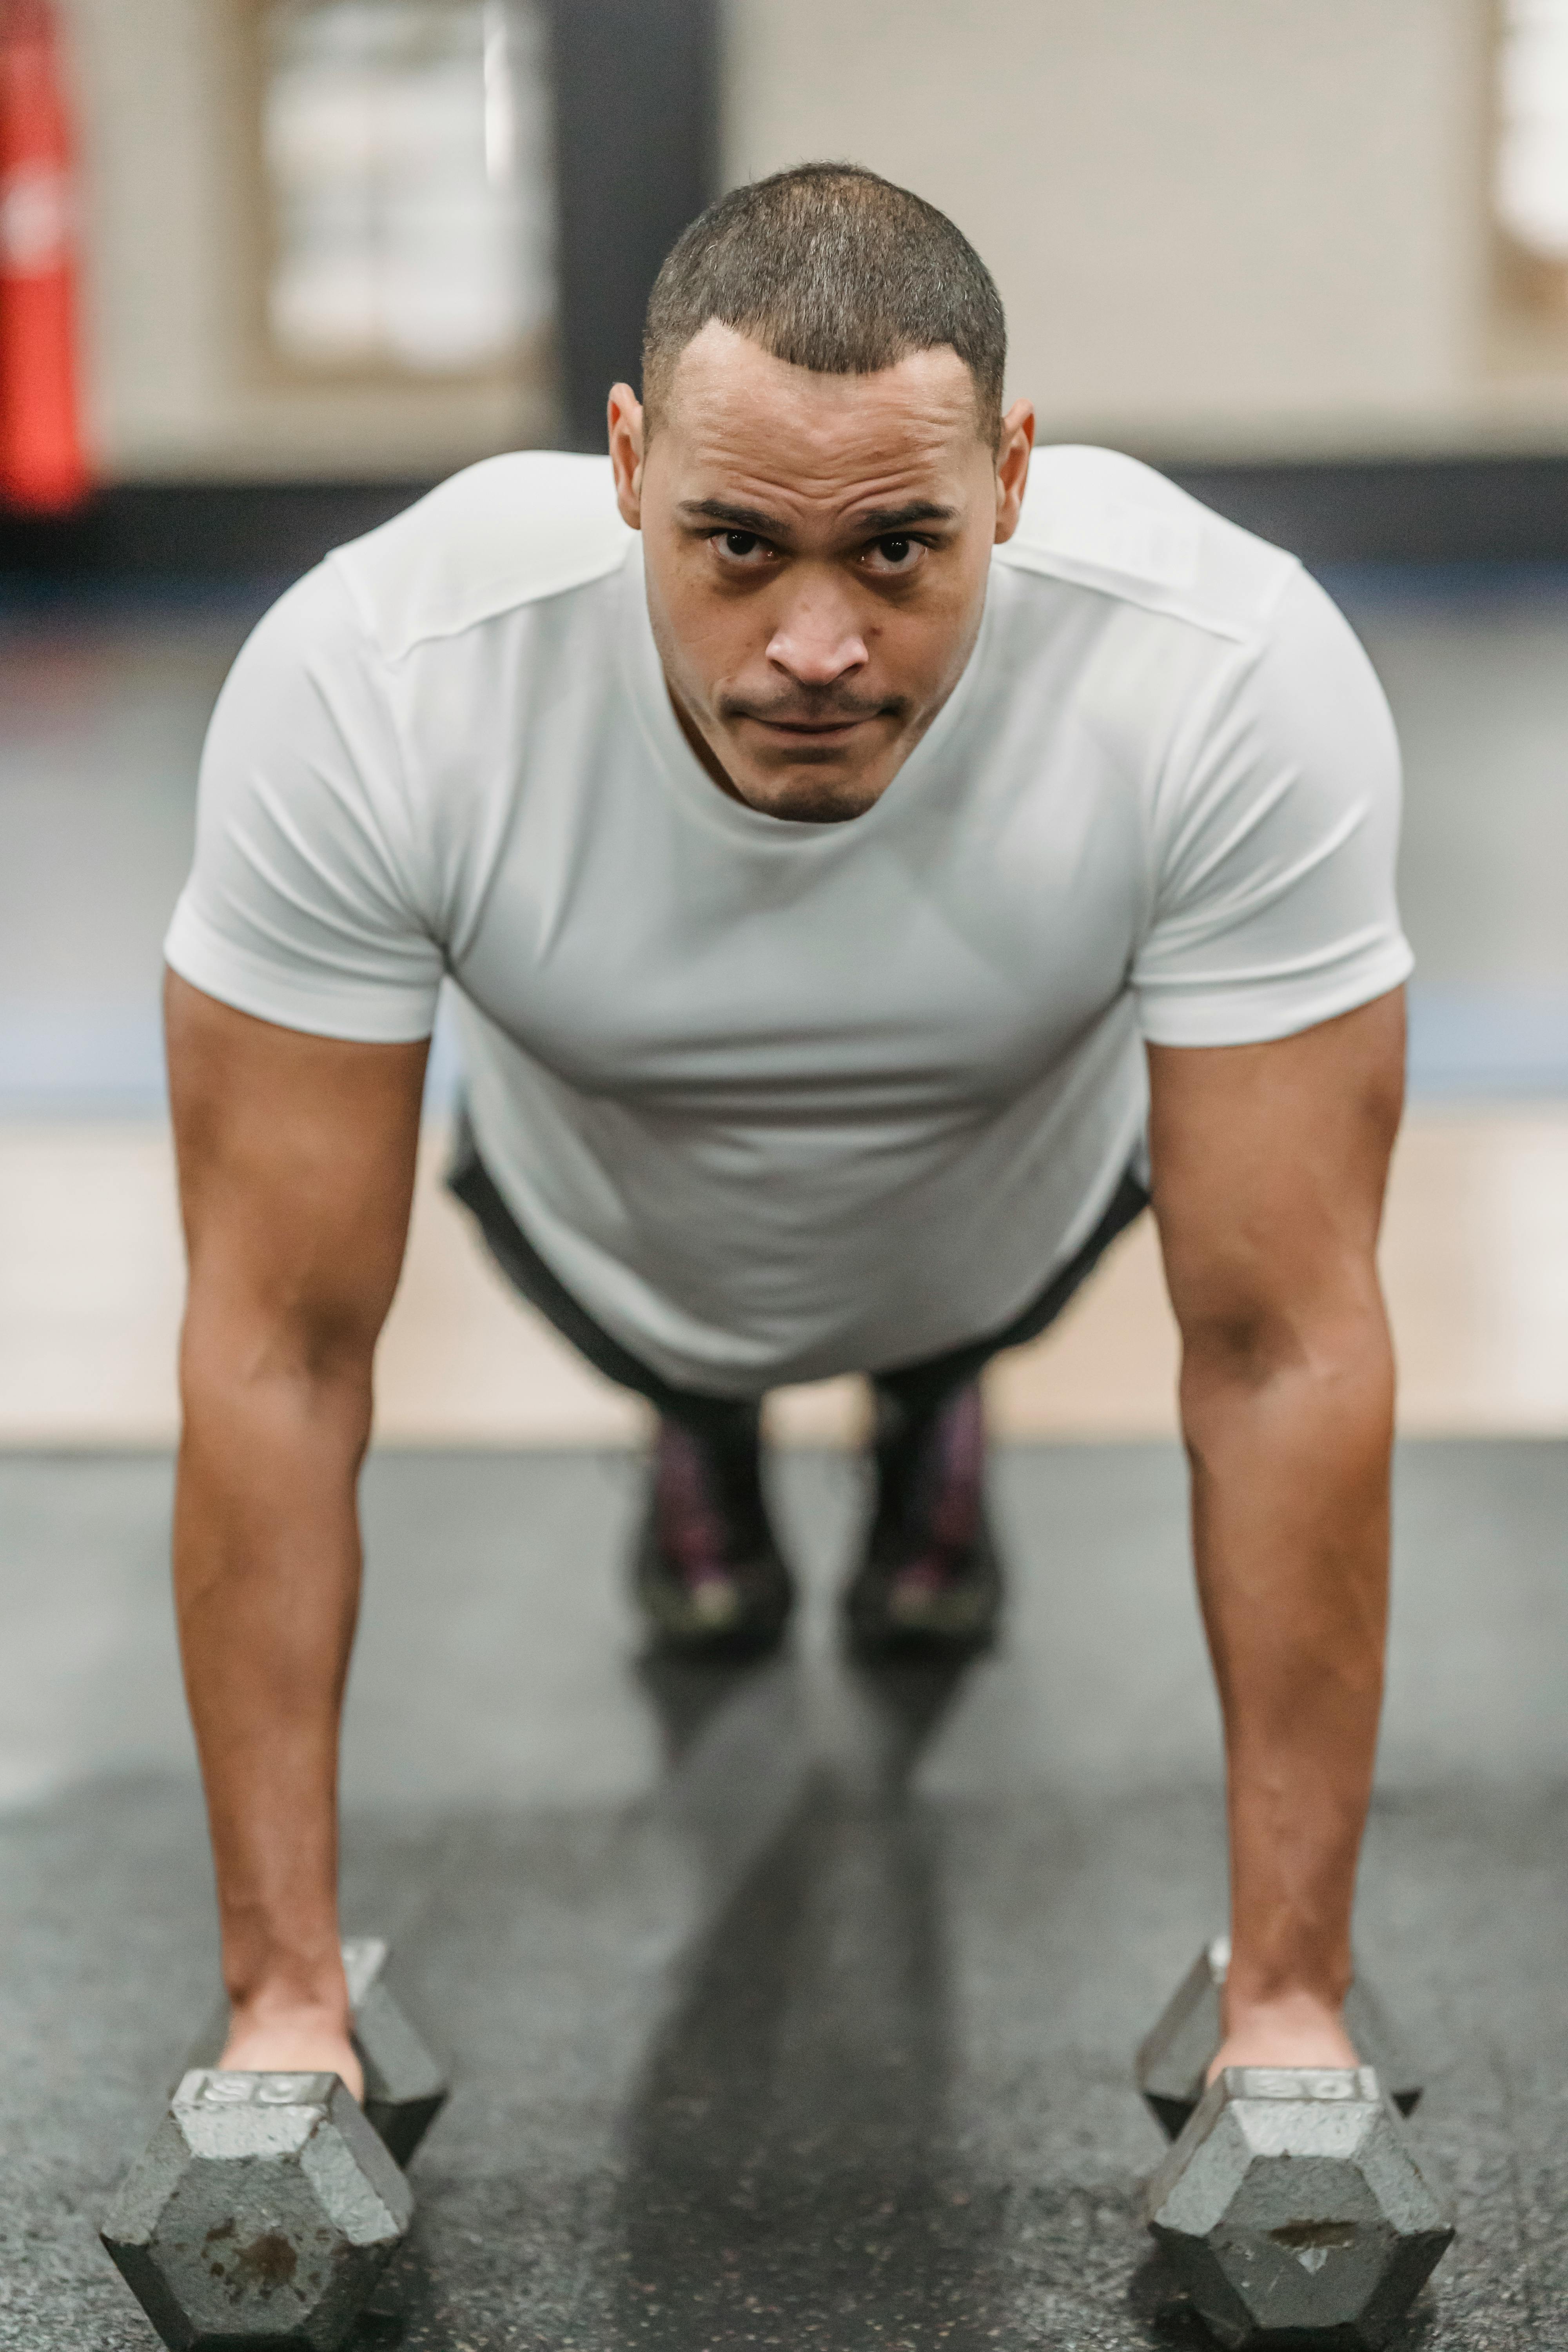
(816, 550)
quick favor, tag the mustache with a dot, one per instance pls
(831, 707)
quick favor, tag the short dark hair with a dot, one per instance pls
(833, 268)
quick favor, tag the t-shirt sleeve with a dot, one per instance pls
(303, 905)
(1275, 832)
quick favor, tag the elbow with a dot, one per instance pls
(1245, 1346)
(1335, 1357)
(307, 1373)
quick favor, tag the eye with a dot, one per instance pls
(739, 546)
(895, 554)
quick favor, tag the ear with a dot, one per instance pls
(626, 421)
(1013, 467)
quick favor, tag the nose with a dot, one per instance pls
(817, 641)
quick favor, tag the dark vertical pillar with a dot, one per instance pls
(636, 158)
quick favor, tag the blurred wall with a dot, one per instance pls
(179, 385)
(1224, 229)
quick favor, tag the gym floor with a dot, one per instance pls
(791, 2007)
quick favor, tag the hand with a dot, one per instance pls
(292, 2042)
(1292, 2030)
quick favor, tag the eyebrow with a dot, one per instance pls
(877, 522)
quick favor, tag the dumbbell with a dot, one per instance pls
(265, 2205)
(1289, 2206)
(1292, 2209)
(1175, 2057)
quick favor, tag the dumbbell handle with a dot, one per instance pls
(365, 1956)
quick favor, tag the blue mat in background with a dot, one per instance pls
(92, 1062)
(1486, 1044)
(88, 1062)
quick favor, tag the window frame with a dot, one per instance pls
(1529, 290)
(530, 365)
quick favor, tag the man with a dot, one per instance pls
(864, 877)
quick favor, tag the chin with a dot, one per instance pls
(812, 798)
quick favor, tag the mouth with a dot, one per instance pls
(818, 733)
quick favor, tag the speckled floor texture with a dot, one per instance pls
(791, 2008)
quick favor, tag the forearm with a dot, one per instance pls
(267, 1568)
(1290, 1472)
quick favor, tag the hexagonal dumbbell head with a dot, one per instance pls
(1174, 2060)
(404, 2089)
(1291, 2205)
(263, 2211)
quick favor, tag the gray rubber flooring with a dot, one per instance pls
(791, 2008)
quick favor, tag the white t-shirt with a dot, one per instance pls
(777, 1100)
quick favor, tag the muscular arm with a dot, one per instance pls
(295, 1160)
(1268, 1170)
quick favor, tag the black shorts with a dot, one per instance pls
(917, 1387)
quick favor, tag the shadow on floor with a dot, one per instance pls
(790, 2173)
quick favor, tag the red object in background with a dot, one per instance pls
(42, 464)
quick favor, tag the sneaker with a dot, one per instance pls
(708, 1572)
(929, 1581)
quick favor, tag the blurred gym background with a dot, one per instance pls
(270, 267)
(794, 2007)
